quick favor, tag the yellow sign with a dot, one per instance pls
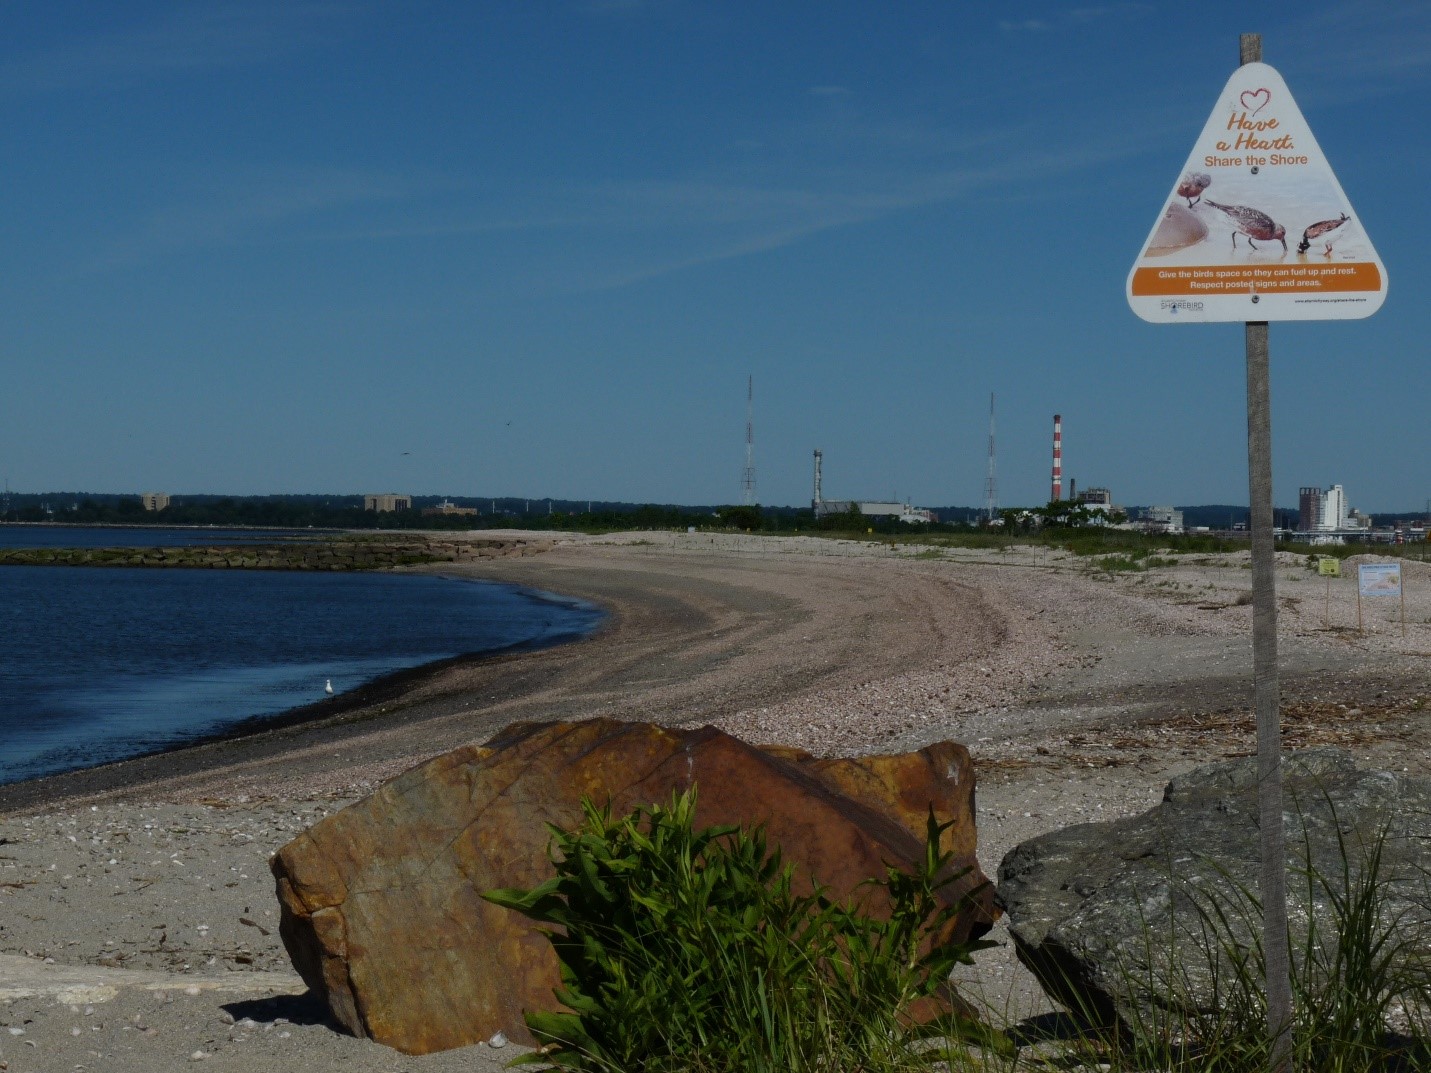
(1327, 567)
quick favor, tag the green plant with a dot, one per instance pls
(1115, 564)
(700, 951)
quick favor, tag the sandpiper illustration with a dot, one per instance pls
(1321, 230)
(1253, 223)
(1192, 186)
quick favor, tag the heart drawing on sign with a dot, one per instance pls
(1254, 100)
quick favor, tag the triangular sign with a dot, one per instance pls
(1256, 226)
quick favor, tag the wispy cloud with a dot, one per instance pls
(1038, 26)
(249, 206)
(726, 223)
(624, 7)
(190, 38)
(1376, 45)
(1073, 16)
(615, 234)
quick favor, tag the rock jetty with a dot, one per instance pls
(338, 554)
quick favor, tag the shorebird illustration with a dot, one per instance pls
(1192, 186)
(1253, 223)
(1320, 230)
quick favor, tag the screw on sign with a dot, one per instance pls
(1218, 251)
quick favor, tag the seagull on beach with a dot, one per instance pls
(328, 686)
(1253, 223)
(1192, 186)
(1320, 230)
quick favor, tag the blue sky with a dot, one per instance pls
(536, 248)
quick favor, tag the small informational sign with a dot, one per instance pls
(1379, 579)
(1329, 567)
(1256, 226)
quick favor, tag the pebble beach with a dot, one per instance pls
(137, 913)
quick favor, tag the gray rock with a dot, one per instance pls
(1130, 920)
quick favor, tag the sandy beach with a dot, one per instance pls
(137, 913)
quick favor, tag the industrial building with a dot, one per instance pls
(1323, 517)
(447, 507)
(1159, 520)
(1321, 512)
(384, 502)
(154, 500)
(870, 508)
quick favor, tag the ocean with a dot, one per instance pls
(105, 663)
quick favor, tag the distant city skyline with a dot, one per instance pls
(259, 247)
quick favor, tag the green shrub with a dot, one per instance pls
(699, 951)
(1116, 564)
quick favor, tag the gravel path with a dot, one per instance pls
(136, 910)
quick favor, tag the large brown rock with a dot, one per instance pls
(381, 906)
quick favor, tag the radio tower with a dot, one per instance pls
(747, 480)
(1057, 457)
(991, 484)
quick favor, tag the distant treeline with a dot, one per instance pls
(346, 512)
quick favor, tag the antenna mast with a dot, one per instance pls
(991, 484)
(1057, 493)
(747, 482)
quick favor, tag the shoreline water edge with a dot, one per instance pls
(573, 620)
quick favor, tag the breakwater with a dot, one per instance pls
(340, 554)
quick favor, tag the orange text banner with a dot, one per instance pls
(1261, 279)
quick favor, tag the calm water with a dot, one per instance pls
(98, 664)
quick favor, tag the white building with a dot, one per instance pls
(1334, 508)
(1323, 512)
(871, 509)
(1161, 520)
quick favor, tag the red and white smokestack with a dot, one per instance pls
(1057, 456)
